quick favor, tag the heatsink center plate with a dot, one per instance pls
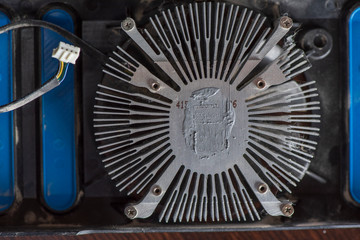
(208, 120)
(204, 130)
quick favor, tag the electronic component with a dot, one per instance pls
(223, 126)
(66, 53)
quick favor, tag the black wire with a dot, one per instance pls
(87, 48)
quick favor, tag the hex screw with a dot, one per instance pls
(287, 209)
(130, 212)
(286, 22)
(128, 24)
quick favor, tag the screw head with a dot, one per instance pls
(128, 24)
(287, 209)
(286, 22)
(130, 212)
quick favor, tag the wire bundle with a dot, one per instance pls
(62, 71)
(63, 66)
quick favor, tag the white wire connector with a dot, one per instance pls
(66, 53)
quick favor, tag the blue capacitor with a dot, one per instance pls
(354, 114)
(7, 193)
(58, 122)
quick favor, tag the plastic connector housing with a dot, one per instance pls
(66, 53)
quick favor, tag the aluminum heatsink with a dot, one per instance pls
(199, 117)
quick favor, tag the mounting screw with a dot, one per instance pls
(287, 209)
(260, 83)
(262, 188)
(130, 212)
(156, 190)
(128, 24)
(155, 85)
(286, 22)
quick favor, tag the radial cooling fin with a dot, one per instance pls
(199, 116)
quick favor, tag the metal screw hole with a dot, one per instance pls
(155, 86)
(262, 188)
(156, 190)
(260, 84)
(320, 41)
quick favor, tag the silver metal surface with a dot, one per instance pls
(223, 145)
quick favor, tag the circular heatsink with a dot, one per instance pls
(199, 116)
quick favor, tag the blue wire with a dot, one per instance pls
(66, 69)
